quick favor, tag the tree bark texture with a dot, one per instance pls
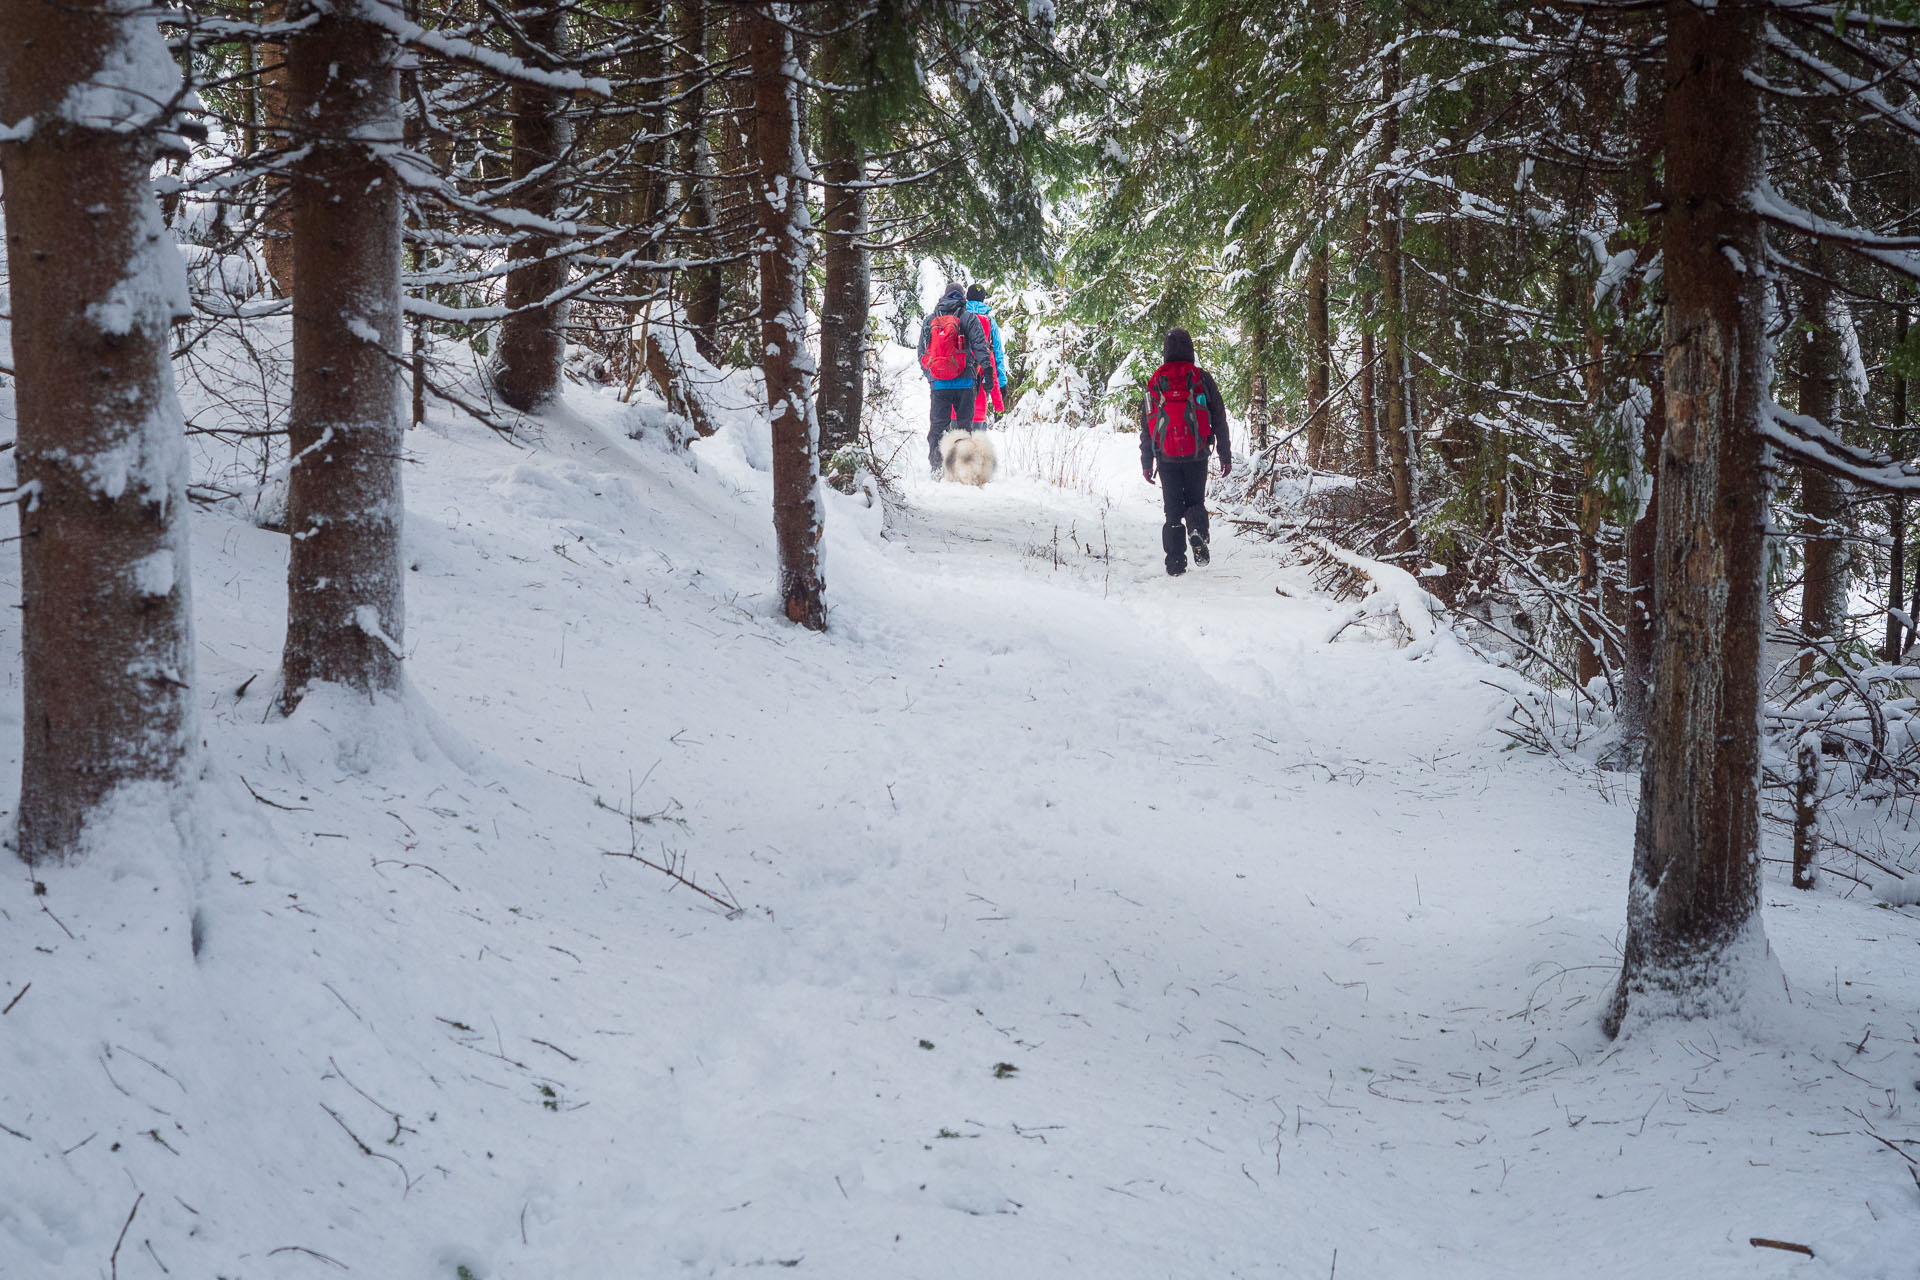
(1590, 655)
(276, 226)
(1806, 808)
(782, 215)
(847, 294)
(1694, 897)
(1897, 516)
(1369, 416)
(1636, 676)
(702, 285)
(345, 593)
(1823, 497)
(1319, 350)
(106, 623)
(1392, 329)
(533, 339)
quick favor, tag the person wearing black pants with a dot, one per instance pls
(952, 408)
(952, 411)
(1183, 480)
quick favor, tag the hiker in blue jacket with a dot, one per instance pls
(955, 355)
(991, 392)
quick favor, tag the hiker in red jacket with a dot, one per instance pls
(954, 354)
(1182, 414)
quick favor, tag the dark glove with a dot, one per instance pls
(1226, 468)
(1146, 473)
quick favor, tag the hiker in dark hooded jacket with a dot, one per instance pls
(955, 357)
(1180, 416)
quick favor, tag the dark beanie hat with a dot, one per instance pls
(976, 293)
(1178, 346)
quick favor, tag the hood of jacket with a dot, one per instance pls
(951, 303)
(979, 309)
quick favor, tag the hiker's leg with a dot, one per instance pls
(941, 416)
(1196, 493)
(1173, 500)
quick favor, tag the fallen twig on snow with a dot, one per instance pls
(1761, 1242)
(113, 1262)
(672, 872)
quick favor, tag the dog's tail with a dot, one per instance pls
(967, 456)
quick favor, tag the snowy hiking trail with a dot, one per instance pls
(1285, 954)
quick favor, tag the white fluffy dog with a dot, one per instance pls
(967, 456)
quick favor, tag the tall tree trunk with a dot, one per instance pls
(106, 621)
(646, 65)
(1897, 516)
(345, 593)
(1259, 354)
(276, 226)
(1393, 354)
(702, 284)
(848, 291)
(1694, 899)
(1590, 655)
(1369, 412)
(1822, 496)
(533, 339)
(1319, 341)
(1636, 677)
(782, 208)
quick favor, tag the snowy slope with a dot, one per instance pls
(1296, 972)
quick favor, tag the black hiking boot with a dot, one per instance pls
(1201, 555)
(1176, 567)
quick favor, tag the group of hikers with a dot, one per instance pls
(1181, 415)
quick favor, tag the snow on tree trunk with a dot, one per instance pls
(1823, 497)
(106, 624)
(532, 349)
(1693, 923)
(846, 294)
(1897, 510)
(345, 593)
(780, 170)
(1636, 677)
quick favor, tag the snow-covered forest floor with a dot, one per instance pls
(1091, 923)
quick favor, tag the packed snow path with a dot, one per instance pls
(1094, 924)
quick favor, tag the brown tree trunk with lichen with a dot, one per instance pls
(106, 632)
(1694, 898)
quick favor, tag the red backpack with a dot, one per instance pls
(946, 355)
(1177, 413)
